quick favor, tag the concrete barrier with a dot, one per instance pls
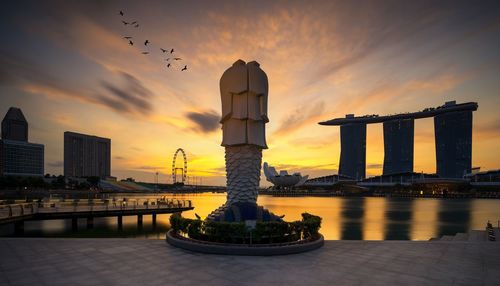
(246, 249)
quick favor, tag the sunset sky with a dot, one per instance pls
(67, 66)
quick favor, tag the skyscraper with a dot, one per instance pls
(14, 125)
(353, 150)
(453, 133)
(86, 155)
(398, 146)
(18, 157)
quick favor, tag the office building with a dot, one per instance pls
(18, 157)
(86, 155)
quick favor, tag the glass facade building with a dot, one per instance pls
(20, 158)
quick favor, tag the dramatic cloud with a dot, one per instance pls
(204, 122)
(151, 168)
(488, 131)
(133, 96)
(324, 59)
(300, 117)
(56, 164)
(374, 166)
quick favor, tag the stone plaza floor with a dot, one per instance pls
(70, 261)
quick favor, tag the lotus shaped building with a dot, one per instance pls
(283, 179)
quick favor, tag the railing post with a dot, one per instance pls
(90, 222)
(139, 221)
(74, 224)
(19, 227)
(120, 222)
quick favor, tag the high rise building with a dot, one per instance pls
(18, 157)
(398, 146)
(86, 155)
(453, 133)
(353, 150)
(14, 125)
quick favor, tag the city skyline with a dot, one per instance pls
(73, 71)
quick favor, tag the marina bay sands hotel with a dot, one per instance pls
(453, 137)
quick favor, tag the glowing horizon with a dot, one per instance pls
(67, 66)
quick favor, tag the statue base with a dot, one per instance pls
(240, 212)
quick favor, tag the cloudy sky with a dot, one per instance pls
(67, 66)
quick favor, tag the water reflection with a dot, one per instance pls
(398, 217)
(371, 218)
(424, 221)
(454, 216)
(374, 220)
(353, 210)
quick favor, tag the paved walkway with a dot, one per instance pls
(68, 261)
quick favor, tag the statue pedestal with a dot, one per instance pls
(239, 212)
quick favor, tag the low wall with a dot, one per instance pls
(235, 249)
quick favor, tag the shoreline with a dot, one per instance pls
(6, 195)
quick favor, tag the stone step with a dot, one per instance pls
(496, 231)
(477, 235)
(461, 237)
(447, 237)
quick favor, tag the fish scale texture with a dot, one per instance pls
(243, 173)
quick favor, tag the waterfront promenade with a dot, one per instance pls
(49, 261)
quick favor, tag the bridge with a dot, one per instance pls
(89, 209)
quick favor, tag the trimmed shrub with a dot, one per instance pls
(237, 232)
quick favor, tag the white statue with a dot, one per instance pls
(243, 89)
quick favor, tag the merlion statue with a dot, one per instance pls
(243, 89)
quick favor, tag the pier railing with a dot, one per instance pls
(18, 210)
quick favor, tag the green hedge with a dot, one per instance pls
(237, 232)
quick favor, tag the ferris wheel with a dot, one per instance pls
(175, 169)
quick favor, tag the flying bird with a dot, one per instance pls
(145, 53)
(125, 23)
(167, 59)
(168, 65)
(172, 50)
(133, 23)
(130, 43)
(184, 68)
(163, 50)
(146, 42)
(127, 37)
(177, 59)
(136, 25)
(121, 13)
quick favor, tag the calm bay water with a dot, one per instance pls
(369, 218)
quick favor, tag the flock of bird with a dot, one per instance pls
(171, 59)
